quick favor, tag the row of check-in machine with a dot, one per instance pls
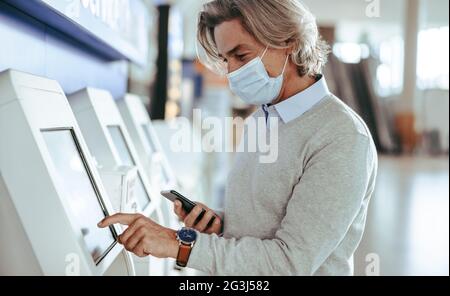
(65, 164)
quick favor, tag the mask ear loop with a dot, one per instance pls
(265, 51)
(285, 64)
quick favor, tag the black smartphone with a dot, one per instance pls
(186, 204)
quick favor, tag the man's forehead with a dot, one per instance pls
(230, 35)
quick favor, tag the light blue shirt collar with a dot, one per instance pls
(299, 104)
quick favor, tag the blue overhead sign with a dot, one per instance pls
(117, 29)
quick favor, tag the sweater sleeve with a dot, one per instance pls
(323, 205)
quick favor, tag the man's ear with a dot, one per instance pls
(290, 46)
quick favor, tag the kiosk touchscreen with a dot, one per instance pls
(51, 196)
(111, 145)
(82, 196)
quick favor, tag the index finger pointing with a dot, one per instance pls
(124, 219)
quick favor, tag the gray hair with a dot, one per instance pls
(279, 24)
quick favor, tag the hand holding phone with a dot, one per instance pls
(186, 203)
(194, 215)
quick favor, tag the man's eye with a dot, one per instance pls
(241, 57)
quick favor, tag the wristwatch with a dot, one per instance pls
(186, 238)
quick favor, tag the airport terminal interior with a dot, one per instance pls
(93, 94)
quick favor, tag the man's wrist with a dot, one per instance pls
(173, 245)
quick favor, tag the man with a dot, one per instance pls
(303, 214)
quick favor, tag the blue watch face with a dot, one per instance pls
(187, 235)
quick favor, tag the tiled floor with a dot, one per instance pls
(408, 219)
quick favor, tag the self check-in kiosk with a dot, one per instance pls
(149, 148)
(110, 143)
(51, 195)
(146, 141)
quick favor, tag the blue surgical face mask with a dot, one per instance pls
(253, 84)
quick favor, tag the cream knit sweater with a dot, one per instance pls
(304, 214)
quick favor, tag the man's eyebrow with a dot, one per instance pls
(231, 52)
